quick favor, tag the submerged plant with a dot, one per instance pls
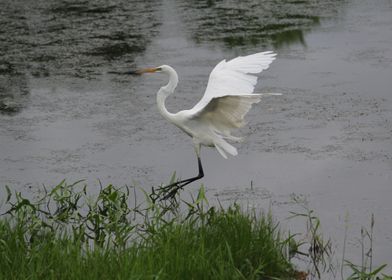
(366, 271)
(318, 253)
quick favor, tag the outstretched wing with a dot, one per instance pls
(223, 114)
(228, 98)
(233, 77)
(227, 112)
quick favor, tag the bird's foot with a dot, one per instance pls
(173, 191)
(167, 192)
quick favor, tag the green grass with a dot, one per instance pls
(231, 245)
(68, 234)
(54, 238)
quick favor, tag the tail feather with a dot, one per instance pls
(223, 147)
(220, 150)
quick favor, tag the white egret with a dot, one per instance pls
(227, 99)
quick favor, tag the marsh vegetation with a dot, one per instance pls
(67, 234)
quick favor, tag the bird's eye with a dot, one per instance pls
(158, 69)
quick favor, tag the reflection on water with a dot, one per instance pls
(69, 38)
(83, 39)
(284, 38)
(74, 38)
(251, 22)
(80, 38)
(13, 89)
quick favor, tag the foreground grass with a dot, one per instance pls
(64, 242)
(230, 246)
(67, 234)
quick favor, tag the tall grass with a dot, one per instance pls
(67, 235)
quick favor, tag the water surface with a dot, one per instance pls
(63, 114)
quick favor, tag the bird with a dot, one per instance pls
(227, 99)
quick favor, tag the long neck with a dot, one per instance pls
(165, 91)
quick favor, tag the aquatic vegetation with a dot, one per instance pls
(270, 22)
(365, 270)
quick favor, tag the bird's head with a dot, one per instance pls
(166, 69)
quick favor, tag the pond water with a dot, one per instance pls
(66, 114)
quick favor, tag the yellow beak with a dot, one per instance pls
(145, 70)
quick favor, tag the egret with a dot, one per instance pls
(227, 99)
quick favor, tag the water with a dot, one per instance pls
(327, 139)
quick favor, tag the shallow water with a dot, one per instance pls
(327, 139)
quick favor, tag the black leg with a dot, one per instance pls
(170, 190)
(173, 188)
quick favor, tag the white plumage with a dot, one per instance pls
(227, 99)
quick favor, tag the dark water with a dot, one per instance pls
(79, 39)
(65, 114)
(247, 23)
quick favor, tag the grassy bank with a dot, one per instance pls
(66, 235)
(229, 246)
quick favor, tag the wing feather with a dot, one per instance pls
(228, 98)
(228, 110)
(221, 115)
(234, 77)
(225, 113)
